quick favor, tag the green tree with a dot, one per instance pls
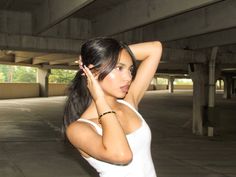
(61, 76)
(7, 72)
(2, 77)
(18, 74)
(183, 81)
(162, 81)
(24, 74)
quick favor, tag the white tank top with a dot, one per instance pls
(139, 141)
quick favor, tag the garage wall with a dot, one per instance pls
(18, 90)
(29, 90)
(26, 90)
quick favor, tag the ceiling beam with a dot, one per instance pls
(226, 58)
(16, 64)
(172, 68)
(182, 56)
(216, 17)
(39, 44)
(219, 38)
(166, 73)
(37, 61)
(46, 66)
(133, 13)
(19, 59)
(56, 56)
(52, 12)
(7, 58)
(63, 61)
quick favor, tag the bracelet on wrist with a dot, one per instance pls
(108, 112)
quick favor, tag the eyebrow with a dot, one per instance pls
(122, 64)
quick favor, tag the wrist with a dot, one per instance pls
(104, 114)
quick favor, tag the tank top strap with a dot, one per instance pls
(130, 106)
(98, 129)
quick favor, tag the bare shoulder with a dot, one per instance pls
(77, 130)
(76, 126)
(85, 138)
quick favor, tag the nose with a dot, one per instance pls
(127, 76)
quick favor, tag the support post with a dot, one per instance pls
(211, 91)
(220, 84)
(154, 83)
(227, 87)
(42, 79)
(198, 74)
(171, 84)
(233, 86)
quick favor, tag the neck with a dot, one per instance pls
(111, 101)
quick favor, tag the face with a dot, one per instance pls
(116, 83)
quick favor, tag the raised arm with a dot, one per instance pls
(112, 146)
(149, 53)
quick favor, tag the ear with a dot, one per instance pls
(80, 61)
(90, 66)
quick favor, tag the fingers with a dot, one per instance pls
(88, 74)
(92, 83)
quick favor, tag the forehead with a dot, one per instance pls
(125, 58)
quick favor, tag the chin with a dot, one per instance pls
(118, 95)
(121, 96)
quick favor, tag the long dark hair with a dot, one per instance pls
(103, 54)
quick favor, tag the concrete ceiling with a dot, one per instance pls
(49, 33)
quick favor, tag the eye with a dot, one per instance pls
(131, 69)
(119, 68)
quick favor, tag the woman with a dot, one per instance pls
(101, 117)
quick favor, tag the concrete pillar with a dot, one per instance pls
(211, 92)
(234, 86)
(220, 84)
(227, 87)
(42, 79)
(211, 96)
(199, 76)
(154, 82)
(171, 84)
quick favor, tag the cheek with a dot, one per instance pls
(111, 76)
(110, 80)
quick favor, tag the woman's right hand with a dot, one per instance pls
(92, 84)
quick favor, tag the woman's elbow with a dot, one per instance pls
(124, 158)
(157, 44)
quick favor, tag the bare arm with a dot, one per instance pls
(112, 146)
(149, 53)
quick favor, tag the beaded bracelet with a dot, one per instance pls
(108, 112)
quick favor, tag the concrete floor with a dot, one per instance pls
(31, 144)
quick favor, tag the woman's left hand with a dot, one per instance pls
(92, 84)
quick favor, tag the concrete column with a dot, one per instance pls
(154, 82)
(227, 87)
(218, 76)
(211, 93)
(233, 86)
(220, 84)
(171, 84)
(42, 79)
(199, 76)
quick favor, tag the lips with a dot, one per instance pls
(125, 88)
